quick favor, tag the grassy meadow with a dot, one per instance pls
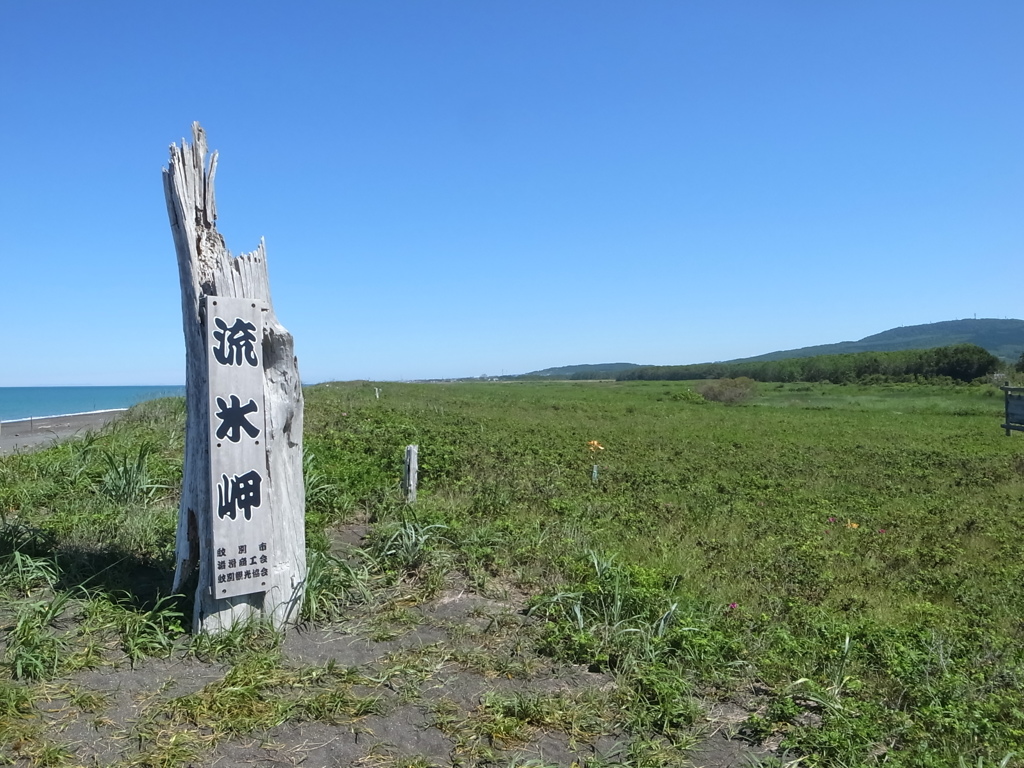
(844, 561)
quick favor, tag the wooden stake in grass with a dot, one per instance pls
(272, 491)
(410, 474)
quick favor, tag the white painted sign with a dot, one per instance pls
(242, 551)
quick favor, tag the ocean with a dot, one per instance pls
(37, 402)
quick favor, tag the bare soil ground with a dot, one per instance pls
(28, 434)
(449, 680)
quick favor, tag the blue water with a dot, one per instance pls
(36, 402)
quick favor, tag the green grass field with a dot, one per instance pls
(852, 553)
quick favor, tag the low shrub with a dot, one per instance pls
(728, 391)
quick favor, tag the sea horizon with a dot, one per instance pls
(19, 403)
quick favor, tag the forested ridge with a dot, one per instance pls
(958, 362)
(1004, 338)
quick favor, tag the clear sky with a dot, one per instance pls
(461, 188)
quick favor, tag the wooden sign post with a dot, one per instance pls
(241, 523)
(1014, 409)
(410, 473)
(238, 455)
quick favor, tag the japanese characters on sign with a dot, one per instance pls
(240, 566)
(238, 457)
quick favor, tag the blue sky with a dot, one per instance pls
(460, 188)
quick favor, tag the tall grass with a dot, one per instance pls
(127, 479)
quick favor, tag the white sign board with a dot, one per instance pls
(242, 551)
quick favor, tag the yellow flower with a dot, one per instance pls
(852, 525)
(593, 445)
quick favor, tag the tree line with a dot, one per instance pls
(959, 362)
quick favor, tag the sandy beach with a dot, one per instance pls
(33, 433)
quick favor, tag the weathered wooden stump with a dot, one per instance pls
(272, 493)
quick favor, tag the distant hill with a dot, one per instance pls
(1003, 338)
(593, 371)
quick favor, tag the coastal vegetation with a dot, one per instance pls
(840, 564)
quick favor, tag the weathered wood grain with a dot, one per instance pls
(206, 268)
